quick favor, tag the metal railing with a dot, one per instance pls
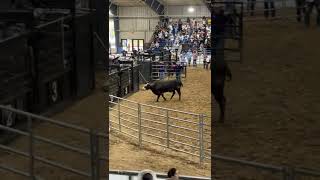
(133, 174)
(185, 132)
(167, 71)
(93, 153)
(286, 173)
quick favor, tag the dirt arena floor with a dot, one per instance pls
(89, 112)
(273, 101)
(195, 98)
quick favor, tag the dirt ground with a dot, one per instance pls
(195, 98)
(273, 105)
(89, 112)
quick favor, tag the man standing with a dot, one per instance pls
(178, 71)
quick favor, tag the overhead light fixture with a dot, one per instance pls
(190, 9)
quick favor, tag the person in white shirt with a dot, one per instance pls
(160, 35)
(208, 61)
(170, 28)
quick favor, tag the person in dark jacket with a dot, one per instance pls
(178, 71)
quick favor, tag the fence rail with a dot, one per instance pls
(166, 141)
(161, 126)
(93, 153)
(287, 173)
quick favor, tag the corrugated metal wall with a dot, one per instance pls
(183, 10)
(137, 28)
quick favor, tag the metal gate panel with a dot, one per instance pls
(233, 35)
(84, 64)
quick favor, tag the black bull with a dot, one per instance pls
(160, 87)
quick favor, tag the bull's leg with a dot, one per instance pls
(158, 98)
(173, 93)
(179, 92)
(163, 97)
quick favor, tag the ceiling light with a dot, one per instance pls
(190, 9)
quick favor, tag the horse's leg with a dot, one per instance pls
(173, 93)
(163, 97)
(179, 92)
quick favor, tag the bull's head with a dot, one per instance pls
(147, 86)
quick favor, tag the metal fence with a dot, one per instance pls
(166, 70)
(181, 131)
(132, 175)
(275, 172)
(93, 153)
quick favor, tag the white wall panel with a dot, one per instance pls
(137, 28)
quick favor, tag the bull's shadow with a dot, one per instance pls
(220, 70)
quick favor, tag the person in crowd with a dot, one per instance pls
(204, 20)
(195, 58)
(147, 175)
(179, 25)
(189, 56)
(176, 29)
(204, 61)
(208, 59)
(188, 20)
(170, 28)
(173, 174)
(269, 7)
